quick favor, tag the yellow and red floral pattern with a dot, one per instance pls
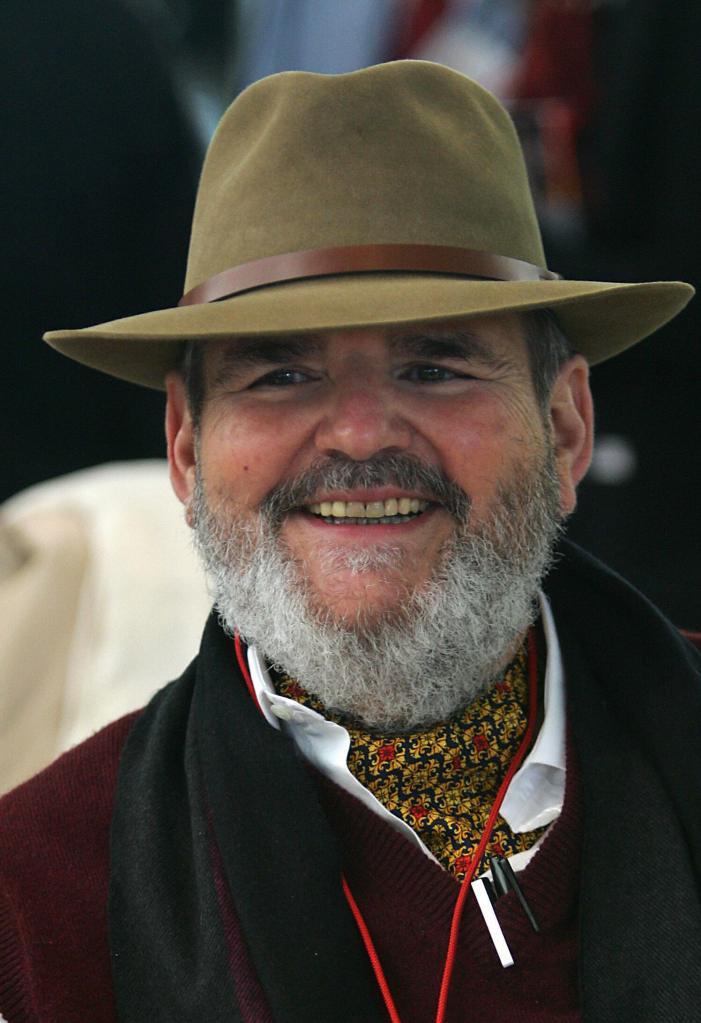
(442, 781)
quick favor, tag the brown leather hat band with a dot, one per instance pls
(292, 266)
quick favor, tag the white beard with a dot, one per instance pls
(443, 644)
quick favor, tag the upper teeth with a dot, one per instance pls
(369, 510)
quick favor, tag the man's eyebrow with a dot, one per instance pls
(458, 344)
(248, 352)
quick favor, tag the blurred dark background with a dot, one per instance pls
(108, 106)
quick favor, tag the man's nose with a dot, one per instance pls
(362, 420)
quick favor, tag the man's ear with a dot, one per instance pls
(572, 419)
(180, 434)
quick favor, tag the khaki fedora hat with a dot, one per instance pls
(395, 194)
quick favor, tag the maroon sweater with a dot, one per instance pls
(54, 868)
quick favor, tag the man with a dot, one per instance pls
(377, 428)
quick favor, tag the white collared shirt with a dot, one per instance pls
(534, 797)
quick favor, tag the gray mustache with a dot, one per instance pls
(341, 473)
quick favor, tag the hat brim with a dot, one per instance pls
(600, 319)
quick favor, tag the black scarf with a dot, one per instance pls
(202, 765)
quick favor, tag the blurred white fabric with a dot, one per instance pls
(480, 38)
(102, 600)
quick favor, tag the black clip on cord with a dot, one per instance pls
(505, 881)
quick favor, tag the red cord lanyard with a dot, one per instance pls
(474, 862)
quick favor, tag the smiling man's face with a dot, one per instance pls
(454, 399)
(377, 507)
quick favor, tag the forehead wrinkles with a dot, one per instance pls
(340, 473)
(459, 341)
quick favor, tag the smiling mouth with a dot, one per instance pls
(393, 511)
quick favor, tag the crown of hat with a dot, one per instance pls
(408, 152)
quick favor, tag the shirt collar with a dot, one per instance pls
(536, 793)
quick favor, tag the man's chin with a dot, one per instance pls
(360, 601)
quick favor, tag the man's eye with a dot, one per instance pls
(430, 374)
(282, 378)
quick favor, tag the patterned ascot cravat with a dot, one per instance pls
(443, 780)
